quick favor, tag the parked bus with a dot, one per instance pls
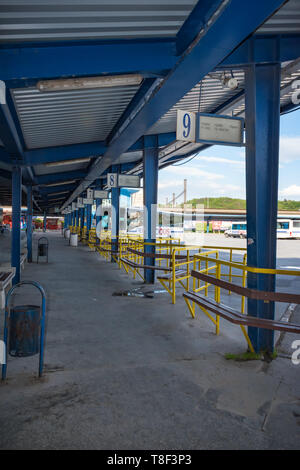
(288, 228)
(238, 230)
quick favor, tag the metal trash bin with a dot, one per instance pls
(67, 233)
(24, 331)
(42, 248)
(24, 328)
(74, 239)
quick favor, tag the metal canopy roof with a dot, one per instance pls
(285, 21)
(65, 137)
(69, 117)
(61, 20)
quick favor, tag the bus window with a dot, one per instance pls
(283, 225)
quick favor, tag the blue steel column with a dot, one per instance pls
(98, 209)
(45, 222)
(16, 221)
(88, 218)
(262, 155)
(29, 224)
(77, 218)
(115, 214)
(150, 177)
(82, 218)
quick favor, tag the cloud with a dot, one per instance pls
(221, 160)
(290, 191)
(190, 171)
(289, 150)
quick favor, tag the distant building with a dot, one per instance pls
(137, 199)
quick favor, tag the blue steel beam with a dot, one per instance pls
(263, 49)
(115, 57)
(210, 49)
(58, 177)
(138, 97)
(55, 189)
(262, 163)
(90, 149)
(201, 13)
(66, 152)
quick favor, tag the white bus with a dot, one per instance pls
(288, 228)
(238, 229)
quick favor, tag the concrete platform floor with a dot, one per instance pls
(139, 373)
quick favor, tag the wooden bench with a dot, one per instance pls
(236, 317)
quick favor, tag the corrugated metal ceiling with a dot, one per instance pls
(285, 21)
(60, 20)
(68, 117)
(204, 97)
(290, 72)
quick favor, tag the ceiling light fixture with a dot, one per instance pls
(89, 82)
(59, 184)
(69, 162)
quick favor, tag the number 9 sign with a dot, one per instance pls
(186, 126)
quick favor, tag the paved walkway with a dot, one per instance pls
(139, 373)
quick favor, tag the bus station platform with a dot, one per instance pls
(137, 372)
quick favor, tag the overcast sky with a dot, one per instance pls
(220, 170)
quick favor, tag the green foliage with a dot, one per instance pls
(237, 204)
(286, 205)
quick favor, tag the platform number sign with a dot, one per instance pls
(186, 126)
(210, 128)
(112, 180)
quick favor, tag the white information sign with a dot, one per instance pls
(112, 180)
(129, 181)
(73, 206)
(186, 126)
(220, 129)
(100, 194)
(89, 194)
(80, 204)
(87, 201)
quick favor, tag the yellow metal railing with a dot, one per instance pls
(217, 271)
(92, 239)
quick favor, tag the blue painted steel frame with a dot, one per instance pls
(262, 161)
(264, 49)
(210, 50)
(150, 178)
(16, 222)
(117, 57)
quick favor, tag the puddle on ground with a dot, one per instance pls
(139, 293)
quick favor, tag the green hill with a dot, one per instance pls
(232, 203)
